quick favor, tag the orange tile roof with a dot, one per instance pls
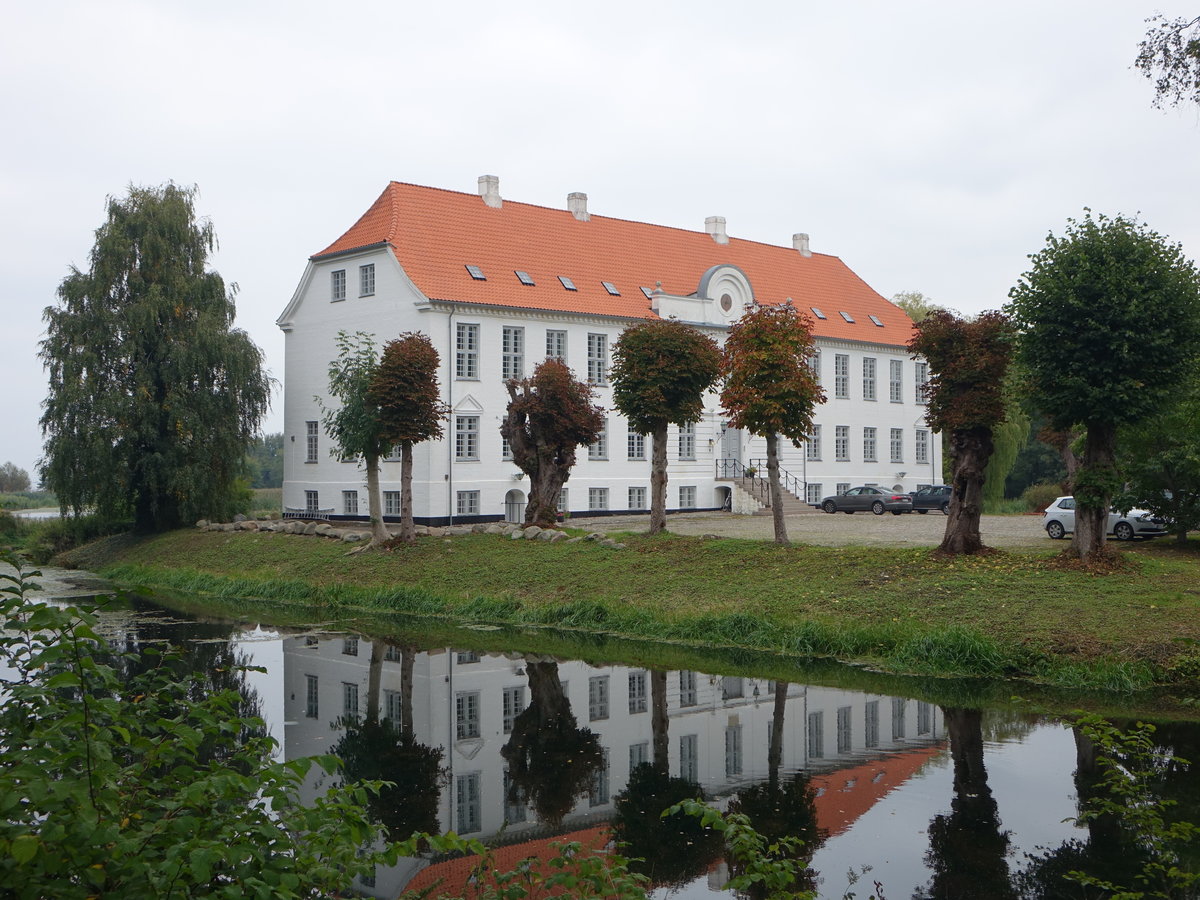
(435, 234)
(847, 794)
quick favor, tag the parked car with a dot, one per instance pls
(936, 496)
(1059, 520)
(862, 499)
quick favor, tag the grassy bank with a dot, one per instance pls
(1002, 616)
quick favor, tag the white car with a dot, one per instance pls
(1059, 520)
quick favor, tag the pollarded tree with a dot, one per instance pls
(549, 414)
(355, 425)
(1109, 316)
(1169, 56)
(770, 388)
(969, 360)
(154, 395)
(405, 390)
(660, 372)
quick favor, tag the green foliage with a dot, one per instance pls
(1169, 56)
(264, 461)
(405, 390)
(154, 396)
(1008, 439)
(660, 372)
(354, 425)
(42, 539)
(916, 304)
(13, 479)
(1038, 496)
(123, 780)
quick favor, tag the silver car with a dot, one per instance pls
(1059, 520)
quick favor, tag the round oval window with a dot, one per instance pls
(726, 302)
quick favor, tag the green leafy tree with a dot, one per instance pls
(1109, 316)
(1009, 438)
(264, 461)
(661, 370)
(13, 479)
(770, 388)
(916, 304)
(1169, 56)
(355, 426)
(405, 389)
(154, 396)
(966, 400)
(549, 415)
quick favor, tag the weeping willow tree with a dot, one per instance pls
(1008, 440)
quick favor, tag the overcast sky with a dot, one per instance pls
(931, 146)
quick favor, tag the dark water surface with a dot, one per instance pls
(939, 799)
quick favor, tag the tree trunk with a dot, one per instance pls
(658, 480)
(776, 491)
(775, 751)
(408, 531)
(658, 719)
(545, 484)
(969, 454)
(379, 533)
(408, 656)
(1091, 518)
(375, 679)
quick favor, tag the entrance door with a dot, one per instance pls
(731, 443)
(514, 507)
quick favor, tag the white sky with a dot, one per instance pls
(931, 145)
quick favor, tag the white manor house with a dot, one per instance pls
(498, 286)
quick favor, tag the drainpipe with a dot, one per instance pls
(450, 357)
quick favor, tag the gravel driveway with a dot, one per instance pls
(863, 529)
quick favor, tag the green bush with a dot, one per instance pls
(1037, 497)
(44, 538)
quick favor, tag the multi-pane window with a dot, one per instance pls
(687, 496)
(896, 444)
(689, 757)
(466, 352)
(924, 717)
(816, 734)
(871, 724)
(869, 444)
(597, 359)
(515, 810)
(921, 446)
(350, 503)
(636, 445)
(687, 441)
(841, 375)
(310, 696)
(896, 380)
(563, 501)
(637, 691)
(466, 657)
(556, 345)
(349, 646)
(899, 705)
(814, 365)
(466, 437)
(868, 378)
(844, 735)
(350, 701)
(467, 503)
(391, 503)
(466, 714)
(813, 492)
(505, 448)
(512, 353)
(841, 443)
(599, 793)
(637, 498)
(922, 382)
(514, 703)
(733, 750)
(812, 446)
(687, 688)
(842, 487)
(597, 498)
(311, 504)
(393, 707)
(599, 450)
(337, 284)
(310, 446)
(597, 698)
(469, 805)
(639, 754)
(366, 280)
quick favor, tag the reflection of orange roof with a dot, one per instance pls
(435, 234)
(449, 877)
(847, 794)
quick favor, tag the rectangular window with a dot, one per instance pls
(871, 724)
(636, 445)
(514, 704)
(466, 657)
(924, 717)
(687, 496)
(812, 446)
(311, 504)
(515, 810)
(466, 437)
(310, 446)
(844, 735)
(505, 448)
(597, 359)
(637, 498)
(814, 365)
(512, 353)
(813, 492)
(467, 503)
(466, 352)
(687, 441)
(599, 450)
(597, 698)
(366, 280)
(687, 688)
(469, 807)
(556, 345)
(841, 443)
(733, 750)
(564, 505)
(637, 692)
(337, 284)
(393, 707)
(350, 646)
(732, 687)
(391, 503)
(466, 710)
(310, 696)
(921, 382)
(599, 793)
(896, 380)
(349, 503)
(899, 704)
(350, 701)
(842, 487)
(689, 757)
(869, 444)
(896, 443)
(597, 498)
(816, 734)
(868, 378)
(921, 448)
(841, 375)
(639, 754)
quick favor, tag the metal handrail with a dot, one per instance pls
(797, 487)
(756, 484)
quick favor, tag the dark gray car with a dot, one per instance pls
(863, 499)
(936, 496)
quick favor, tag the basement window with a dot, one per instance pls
(476, 273)
(524, 278)
(567, 283)
(875, 319)
(817, 312)
(845, 315)
(611, 288)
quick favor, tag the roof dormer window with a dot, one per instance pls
(817, 312)
(845, 315)
(523, 277)
(875, 319)
(476, 273)
(567, 283)
(611, 288)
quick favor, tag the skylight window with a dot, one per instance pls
(647, 292)
(875, 319)
(611, 288)
(567, 283)
(524, 278)
(845, 315)
(817, 312)
(476, 273)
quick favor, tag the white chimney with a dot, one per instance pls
(577, 204)
(715, 225)
(800, 242)
(489, 190)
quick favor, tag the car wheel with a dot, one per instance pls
(848, 512)
(922, 511)
(1123, 531)
(1056, 530)
(829, 506)
(945, 509)
(897, 512)
(877, 508)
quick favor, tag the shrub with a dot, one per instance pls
(1038, 496)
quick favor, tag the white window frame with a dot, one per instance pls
(733, 750)
(687, 441)
(466, 352)
(466, 438)
(312, 441)
(689, 757)
(469, 804)
(598, 698)
(921, 446)
(599, 450)
(868, 381)
(687, 688)
(896, 444)
(466, 503)
(312, 696)
(349, 503)
(312, 503)
(513, 704)
(391, 503)
(637, 497)
(638, 691)
(870, 445)
(556, 345)
(812, 446)
(896, 380)
(598, 498)
(563, 504)
(512, 352)
(816, 734)
(841, 376)
(687, 496)
(467, 715)
(841, 443)
(337, 285)
(350, 701)
(635, 446)
(813, 492)
(841, 487)
(597, 367)
(366, 280)
(921, 382)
